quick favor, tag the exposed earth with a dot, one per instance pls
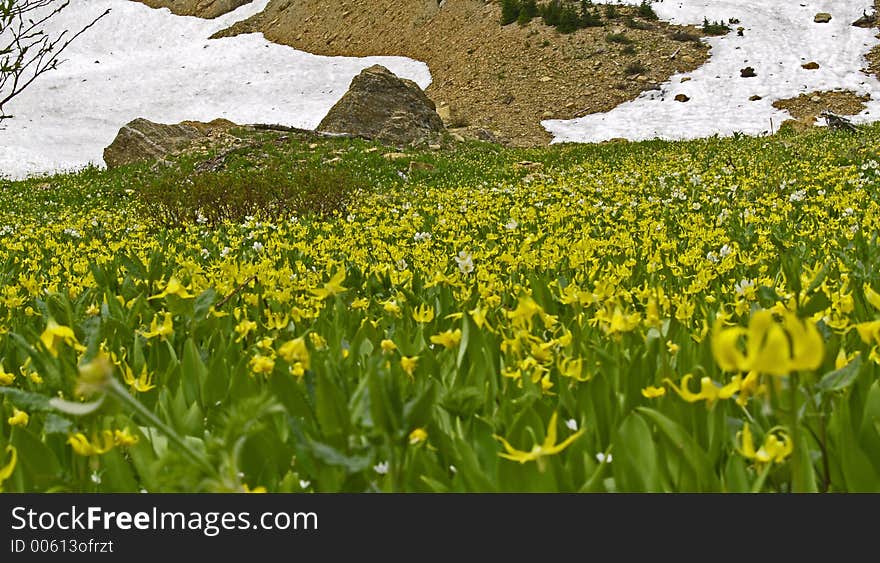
(489, 79)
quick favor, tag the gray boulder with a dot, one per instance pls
(141, 140)
(381, 106)
(202, 8)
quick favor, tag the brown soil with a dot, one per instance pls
(873, 55)
(807, 107)
(503, 79)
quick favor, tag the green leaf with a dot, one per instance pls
(57, 424)
(194, 373)
(76, 409)
(841, 378)
(26, 400)
(685, 446)
(417, 411)
(332, 456)
(818, 302)
(635, 463)
(331, 407)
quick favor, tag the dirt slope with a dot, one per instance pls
(504, 79)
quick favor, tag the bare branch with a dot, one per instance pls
(27, 50)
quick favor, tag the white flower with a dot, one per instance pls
(258, 246)
(712, 257)
(201, 219)
(303, 484)
(798, 196)
(72, 233)
(401, 264)
(511, 225)
(205, 253)
(381, 468)
(421, 236)
(95, 477)
(725, 251)
(572, 424)
(696, 206)
(742, 285)
(602, 458)
(226, 250)
(465, 262)
(453, 469)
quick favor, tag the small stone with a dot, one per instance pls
(754, 98)
(688, 59)
(545, 79)
(816, 99)
(747, 72)
(822, 17)
(685, 79)
(395, 155)
(681, 98)
(812, 65)
(547, 114)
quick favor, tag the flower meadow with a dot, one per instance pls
(658, 316)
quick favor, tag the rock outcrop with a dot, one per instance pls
(141, 139)
(381, 106)
(202, 8)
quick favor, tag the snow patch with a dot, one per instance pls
(141, 62)
(778, 37)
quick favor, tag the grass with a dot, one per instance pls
(659, 316)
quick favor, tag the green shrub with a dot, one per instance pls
(510, 10)
(646, 11)
(179, 196)
(715, 27)
(611, 12)
(635, 67)
(619, 38)
(552, 13)
(569, 21)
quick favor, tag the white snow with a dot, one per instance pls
(779, 37)
(141, 62)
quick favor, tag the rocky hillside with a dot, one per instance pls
(485, 76)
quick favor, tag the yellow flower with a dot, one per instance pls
(573, 368)
(6, 470)
(6, 378)
(295, 353)
(872, 296)
(391, 306)
(256, 490)
(479, 317)
(652, 392)
(97, 446)
(262, 364)
(93, 310)
(174, 287)
(141, 383)
(448, 338)
(360, 303)
(124, 437)
(388, 346)
(777, 445)
(418, 435)
(18, 418)
(771, 347)
(55, 335)
(409, 363)
(538, 451)
(423, 314)
(709, 391)
(244, 328)
(317, 341)
(332, 287)
(162, 331)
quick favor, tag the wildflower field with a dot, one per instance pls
(659, 316)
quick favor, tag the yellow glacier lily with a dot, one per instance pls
(777, 445)
(538, 451)
(772, 348)
(6, 470)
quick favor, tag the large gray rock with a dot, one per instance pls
(144, 140)
(201, 8)
(381, 106)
